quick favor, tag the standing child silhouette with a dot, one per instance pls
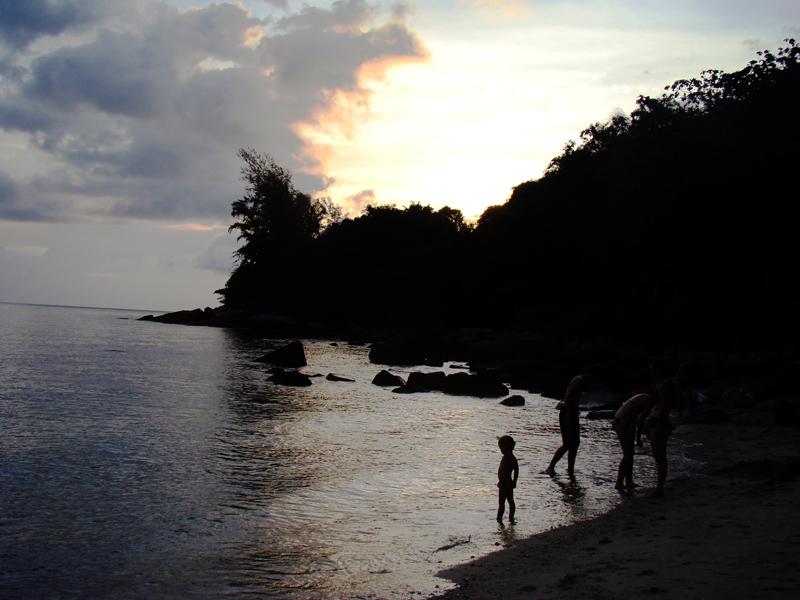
(507, 476)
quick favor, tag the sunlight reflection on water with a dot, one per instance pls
(145, 461)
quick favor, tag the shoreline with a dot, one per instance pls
(726, 529)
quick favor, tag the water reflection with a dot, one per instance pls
(174, 469)
(572, 492)
(508, 534)
(346, 488)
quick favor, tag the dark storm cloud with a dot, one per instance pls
(23, 21)
(114, 75)
(12, 208)
(143, 118)
(325, 48)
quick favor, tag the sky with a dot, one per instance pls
(120, 120)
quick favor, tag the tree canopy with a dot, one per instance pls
(676, 221)
(277, 224)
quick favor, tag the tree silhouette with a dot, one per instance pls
(676, 222)
(277, 224)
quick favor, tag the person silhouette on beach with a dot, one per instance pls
(628, 424)
(569, 423)
(659, 425)
(507, 476)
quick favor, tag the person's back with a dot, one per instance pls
(574, 391)
(628, 423)
(631, 409)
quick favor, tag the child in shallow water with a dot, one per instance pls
(507, 476)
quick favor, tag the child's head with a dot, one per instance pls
(506, 443)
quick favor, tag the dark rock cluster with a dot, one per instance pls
(490, 362)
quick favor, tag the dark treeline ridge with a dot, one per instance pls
(675, 223)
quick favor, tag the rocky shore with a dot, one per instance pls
(725, 378)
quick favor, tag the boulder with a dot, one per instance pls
(385, 379)
(436, 381)
(294, 378)
(513, 401)
(291, 355)
(410, 388)
(181, 317)
(482, 385)
(332, 377)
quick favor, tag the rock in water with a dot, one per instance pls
(384, 378)
(295, 378)
(482, 385)
(291, 355)
(513, 401)
(332, 377)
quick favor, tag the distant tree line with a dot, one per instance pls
(676, 222)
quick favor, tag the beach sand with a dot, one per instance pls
(727, 528)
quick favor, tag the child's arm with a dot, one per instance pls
(515, 472)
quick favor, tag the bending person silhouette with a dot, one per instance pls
(628, 424)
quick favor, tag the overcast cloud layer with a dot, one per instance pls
(120, 119)
(138, 111)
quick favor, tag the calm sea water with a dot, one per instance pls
(141, 460)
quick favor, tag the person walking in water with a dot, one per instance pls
(507, 476)
(569, 423)
(628, 424)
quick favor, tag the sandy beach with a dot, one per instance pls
(727, 529)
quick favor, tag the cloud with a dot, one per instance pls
(218, 257)
(35, 251)
(359, 201)
(12, 208)
(506, 7)
(8, 189)
(23, 22)
(142, 117)
(195, 227)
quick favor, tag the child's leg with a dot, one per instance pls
(501, 504)
(512, 507)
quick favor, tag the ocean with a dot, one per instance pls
(141, 460)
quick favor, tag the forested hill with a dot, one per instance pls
(677, 222)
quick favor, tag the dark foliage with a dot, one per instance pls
(396, 265)
(278, 225)
(674, 223)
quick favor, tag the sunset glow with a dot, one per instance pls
(122, 123)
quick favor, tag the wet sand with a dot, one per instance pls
(726, 529)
